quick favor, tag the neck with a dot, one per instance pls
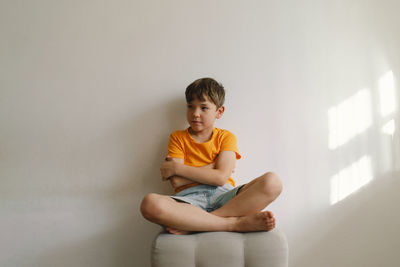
(202, 136)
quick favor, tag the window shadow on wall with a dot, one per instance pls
(357, 231)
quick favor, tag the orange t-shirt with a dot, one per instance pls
(182, 145)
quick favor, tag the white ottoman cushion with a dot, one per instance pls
(209, 249)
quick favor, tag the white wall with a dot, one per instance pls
(90, 91)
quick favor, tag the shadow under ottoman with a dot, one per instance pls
(209, 249)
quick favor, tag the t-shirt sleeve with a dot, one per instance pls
(229, 144)
(175, 147)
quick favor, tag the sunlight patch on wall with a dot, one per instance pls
(387, 94)
(389, 128)
(350, 179)
(349, 118)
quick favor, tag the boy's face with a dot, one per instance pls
(202, 114)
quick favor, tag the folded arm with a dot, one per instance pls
(178, 181)
(224, 166)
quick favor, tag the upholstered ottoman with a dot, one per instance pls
(209, 249)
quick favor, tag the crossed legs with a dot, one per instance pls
(241, 214)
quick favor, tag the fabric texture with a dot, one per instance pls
(216, 249)
(207, 197)
(182, 145)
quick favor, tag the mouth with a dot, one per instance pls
(196, 122)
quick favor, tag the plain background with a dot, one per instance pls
(90, 90)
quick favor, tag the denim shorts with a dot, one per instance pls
(207, 197)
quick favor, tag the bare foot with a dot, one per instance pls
(262, 221)
(176, 232)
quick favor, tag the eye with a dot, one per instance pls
(189, 106)
(204, 108)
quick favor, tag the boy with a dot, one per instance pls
(199, 165)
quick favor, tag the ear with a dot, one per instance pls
(220, 111)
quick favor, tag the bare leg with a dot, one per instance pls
(241, 214)
(165, 211)
(253, 197)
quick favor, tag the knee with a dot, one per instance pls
(271, 184)
(151, 207)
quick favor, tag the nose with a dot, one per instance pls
(196, 113)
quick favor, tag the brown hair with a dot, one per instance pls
(206, 87)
